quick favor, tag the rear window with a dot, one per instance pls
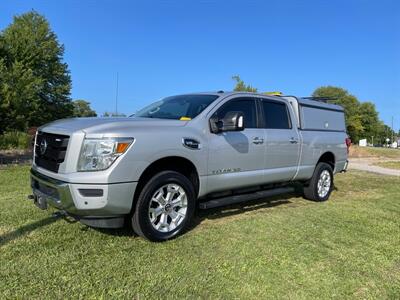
(276, 115)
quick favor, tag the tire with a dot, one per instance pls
(164, 207)
(323, 176)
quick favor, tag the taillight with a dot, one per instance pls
(348, 144)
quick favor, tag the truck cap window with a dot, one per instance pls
(276, 115)
(184, 107)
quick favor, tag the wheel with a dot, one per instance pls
(164, 207)
(321, 183)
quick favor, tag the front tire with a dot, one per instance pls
(164, 207)
(321, 184)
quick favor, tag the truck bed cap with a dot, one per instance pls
(308, 102)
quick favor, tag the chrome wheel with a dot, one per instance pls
(324, 183)
(168, 207)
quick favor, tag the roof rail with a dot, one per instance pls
(320, 99)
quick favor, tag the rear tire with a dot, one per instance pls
(321, 183)
(164, 207)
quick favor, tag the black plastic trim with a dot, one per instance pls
(91, 192)
(327, 130)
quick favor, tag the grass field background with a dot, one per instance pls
(389, 164)
(348, 247)
(387, 153)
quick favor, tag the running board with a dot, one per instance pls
(246, 197)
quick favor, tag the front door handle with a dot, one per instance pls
(293, 141)
(257, 140)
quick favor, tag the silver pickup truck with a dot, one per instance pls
(184, 152)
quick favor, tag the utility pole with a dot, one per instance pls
(116, 98)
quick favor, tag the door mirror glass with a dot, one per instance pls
(233, 121)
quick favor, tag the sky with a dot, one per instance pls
(162, 48)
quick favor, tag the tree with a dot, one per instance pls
(370, 121)
(82, 109)
(35, 83)
(241, 86)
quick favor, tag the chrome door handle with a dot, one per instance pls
(258, 140)
(293, 141)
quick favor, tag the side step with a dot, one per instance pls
(245, 197)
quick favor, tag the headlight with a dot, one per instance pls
(99, 154)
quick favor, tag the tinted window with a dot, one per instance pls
(245, 105)
(177, 107)
(276, 115)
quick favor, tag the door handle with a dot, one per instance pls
(293, 141)
(257, 140)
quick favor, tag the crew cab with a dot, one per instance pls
(184, 152)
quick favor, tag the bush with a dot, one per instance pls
(15, 140)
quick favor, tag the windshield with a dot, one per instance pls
(184, 107)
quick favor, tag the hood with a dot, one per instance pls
(106, 125)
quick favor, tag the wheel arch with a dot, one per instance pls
(172, 163)
(329, 158)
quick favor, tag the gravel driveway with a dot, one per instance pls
(367, 164)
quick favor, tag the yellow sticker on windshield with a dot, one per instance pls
(185, 119)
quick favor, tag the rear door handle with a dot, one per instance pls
(257, 140)
(293, 141)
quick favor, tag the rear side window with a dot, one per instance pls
(245, 105)
(276, 115)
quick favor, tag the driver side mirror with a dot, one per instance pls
(233, 121)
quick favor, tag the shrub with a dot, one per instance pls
(15, 140)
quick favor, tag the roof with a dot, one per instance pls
(300, 100)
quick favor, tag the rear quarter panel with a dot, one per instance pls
(315, 144)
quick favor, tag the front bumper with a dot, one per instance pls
(85, 201)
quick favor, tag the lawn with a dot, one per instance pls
(389, 164)
(348, 247)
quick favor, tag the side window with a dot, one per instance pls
(246, 105)
(276, 115)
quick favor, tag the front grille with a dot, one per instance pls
(50, 150)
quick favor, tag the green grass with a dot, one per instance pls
(348, 247)
(389, 164)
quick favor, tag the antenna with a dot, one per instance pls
(116, 98)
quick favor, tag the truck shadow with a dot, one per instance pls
(220, 212)
(26, 229)
(244, 207)
(200, 216)
(287, 199)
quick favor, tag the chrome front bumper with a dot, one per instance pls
(78, 200)
(54, 192)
